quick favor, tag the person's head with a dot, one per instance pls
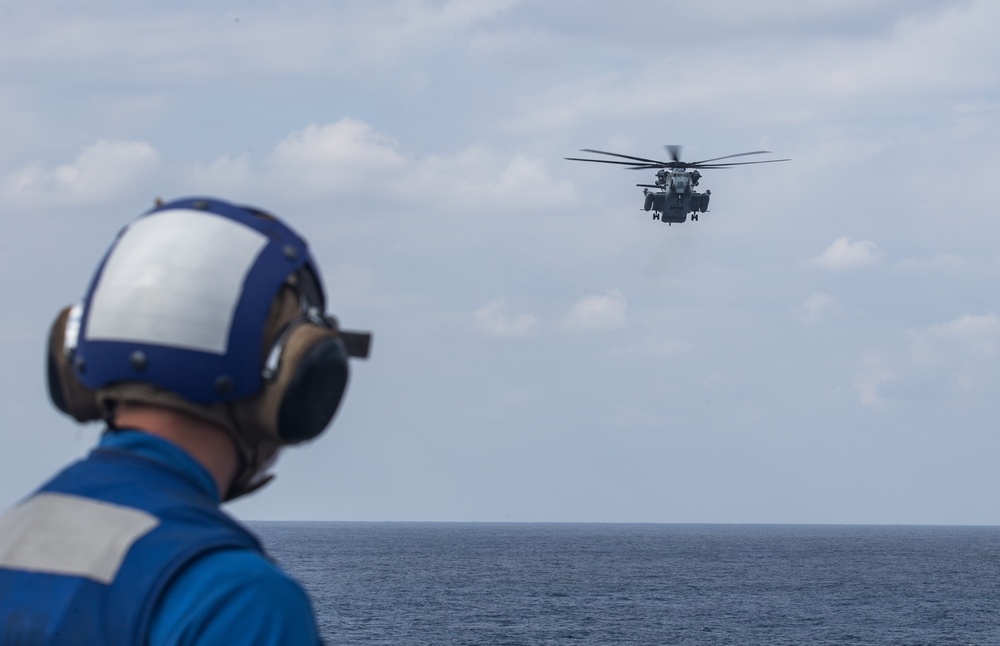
(214, 310)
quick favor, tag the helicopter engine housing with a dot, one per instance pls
(703, 206)
(675, 208)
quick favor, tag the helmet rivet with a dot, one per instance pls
(201, 205)
(290, 252)
(223, 385)
(80, 365)
(138, 360)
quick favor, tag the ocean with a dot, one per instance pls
(523, 584)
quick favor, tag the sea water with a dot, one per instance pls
(444, 583)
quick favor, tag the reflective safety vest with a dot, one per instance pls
(86, 558)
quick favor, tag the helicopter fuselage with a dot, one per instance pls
(674, 196)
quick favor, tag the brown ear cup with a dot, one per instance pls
(300, 400)
(67, 392)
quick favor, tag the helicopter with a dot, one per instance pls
(672, 196)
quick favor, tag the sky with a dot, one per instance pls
(820, 347)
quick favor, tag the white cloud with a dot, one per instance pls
(867, 381)
(596, 313)
(845, 253)
(969, 337)
(405, 31)
(818, 307)
(475, 177)
(101, 172)
(181, 47)
(350, 157)
(493, 319)
(428, 23)
(841, 70)
(943, 360)
(223, 176)
(344, 156)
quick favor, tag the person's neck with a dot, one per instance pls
(207, 443)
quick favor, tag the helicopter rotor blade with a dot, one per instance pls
(756, 152)
(731, 164)
(642, 163)
(615, 162)
(640, 159)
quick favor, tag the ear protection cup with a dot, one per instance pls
(306, 378)
(314, 391)
(67, 392)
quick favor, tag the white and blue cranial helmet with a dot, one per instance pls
(213, 308)
(182, 298)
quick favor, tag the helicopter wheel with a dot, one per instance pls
(694, 217)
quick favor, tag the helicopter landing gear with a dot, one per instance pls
(694, 217)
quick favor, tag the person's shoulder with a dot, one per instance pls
(233, 597)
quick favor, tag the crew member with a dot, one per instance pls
(204, 344)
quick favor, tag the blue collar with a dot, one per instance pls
(162, 452)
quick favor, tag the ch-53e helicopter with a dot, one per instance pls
(673, 196)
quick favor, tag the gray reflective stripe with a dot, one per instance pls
(174, 278)
(63, 534)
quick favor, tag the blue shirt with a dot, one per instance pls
(227, 597)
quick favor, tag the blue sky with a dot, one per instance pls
(821, 347)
